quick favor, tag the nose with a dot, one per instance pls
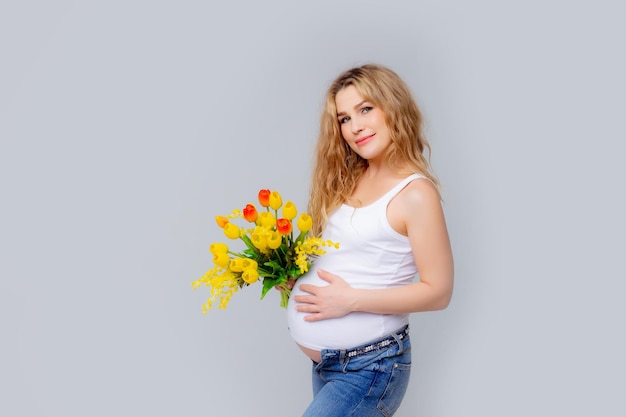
(355, 125)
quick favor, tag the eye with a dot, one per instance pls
(366, 109)
(344, 120)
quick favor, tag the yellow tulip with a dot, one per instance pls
(236, 264)
(221, 259)
(250, 275)
(218, 248)
(290, 211)
(274, 239)
(275, 200)
(247, 263)
(259, 240)
(305, 222)
(232, 231)
(221, 221)
(267, 220)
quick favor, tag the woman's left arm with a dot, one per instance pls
(417, 210)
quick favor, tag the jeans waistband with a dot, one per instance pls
(378, 344)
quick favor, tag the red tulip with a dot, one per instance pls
(250, 213)
(264, 197)
(284, 226)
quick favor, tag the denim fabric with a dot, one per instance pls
(368, 385)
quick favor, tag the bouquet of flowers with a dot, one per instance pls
(272, 253)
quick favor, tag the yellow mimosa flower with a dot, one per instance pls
(330, 243)
(289, 210)
(305, 222)
(236, 213)
(311, 247)
(267, 220)
(223, 285)
(275, 200)
(274, 239)
(232, 231)
(250, 275)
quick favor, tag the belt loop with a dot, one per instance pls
(396, 336)
(344, 359)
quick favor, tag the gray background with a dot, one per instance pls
(126, 126)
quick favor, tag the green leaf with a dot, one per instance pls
(251, 253)
(269, 283)
(277, 268)
(248, 242)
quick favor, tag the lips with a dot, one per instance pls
(364, 140)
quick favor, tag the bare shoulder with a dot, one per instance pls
(418, 203)
(418, 193)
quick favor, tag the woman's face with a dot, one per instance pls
(363, 124)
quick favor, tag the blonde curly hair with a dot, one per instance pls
(337, 168)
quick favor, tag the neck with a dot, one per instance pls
(382, 169)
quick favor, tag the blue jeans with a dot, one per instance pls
(369, 384)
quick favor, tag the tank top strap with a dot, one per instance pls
(395, 190)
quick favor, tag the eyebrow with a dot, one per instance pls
(343, 113)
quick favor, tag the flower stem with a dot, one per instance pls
(285, 293)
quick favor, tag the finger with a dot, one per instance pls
(305, 299)
(314, 317)
(311, 289)
(326, 276)
(307, 308)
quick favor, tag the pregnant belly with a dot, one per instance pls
(314, 355)
(344, 332)
(336, 333)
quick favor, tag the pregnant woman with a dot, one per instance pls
(373, 191)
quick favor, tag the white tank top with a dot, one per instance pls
(371, 255)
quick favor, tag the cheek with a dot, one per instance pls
(378, 119)
(346, 142)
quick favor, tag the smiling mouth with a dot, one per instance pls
(363, 139)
